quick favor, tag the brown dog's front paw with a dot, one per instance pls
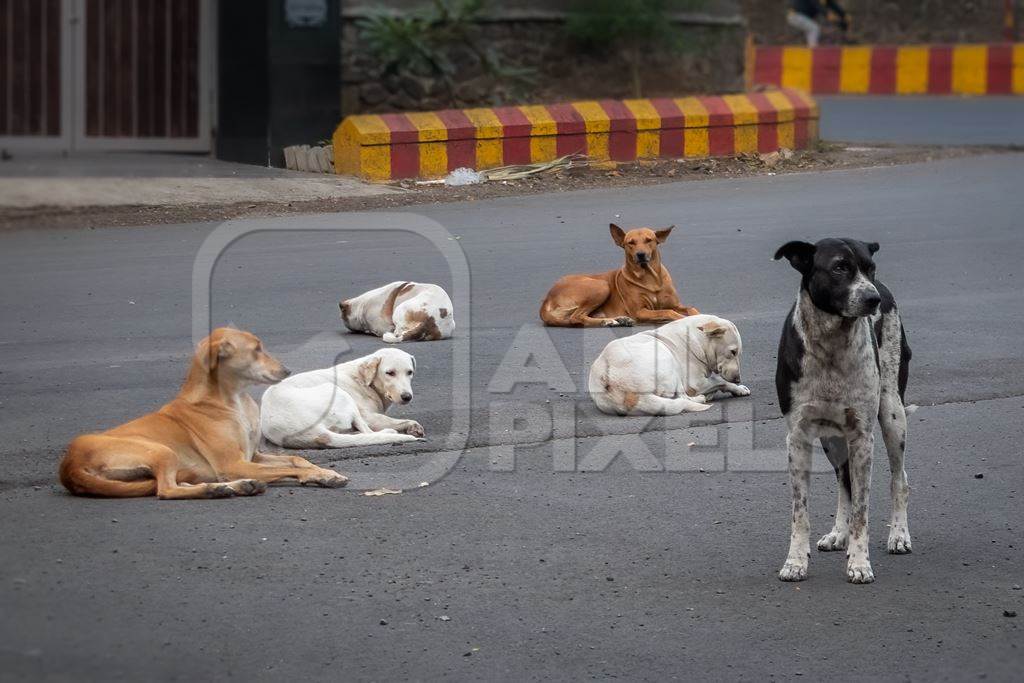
(326, 478)
(621, 321)
(249, 487)
(220, 491)
(415, 429)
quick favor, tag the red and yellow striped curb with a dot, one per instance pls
(431, 144)
(960, 69)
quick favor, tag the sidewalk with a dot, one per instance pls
(138, 179)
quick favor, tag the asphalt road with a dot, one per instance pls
(924, 120)
(661, 565)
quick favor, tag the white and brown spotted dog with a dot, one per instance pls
(400, 312)
(843, 363)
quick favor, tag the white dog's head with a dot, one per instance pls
(722, 347)
(389, 372)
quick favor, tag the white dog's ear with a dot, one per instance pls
(662, 235)
(712, 329)
(413, 362)
(368, 369)
(618, 234)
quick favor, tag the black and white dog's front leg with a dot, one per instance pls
(716, 382)
(795, 568)
(858, 563)
(893, 418)
(836, 452)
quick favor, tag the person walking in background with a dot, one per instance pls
(803, 15)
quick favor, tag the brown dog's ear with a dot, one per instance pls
(618, 234)
(712, 329)
(662, 235)
(368, 369)
(211, 353)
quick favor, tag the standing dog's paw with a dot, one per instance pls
(860, 573)
(899, 541)
(741, 390)
(833, 540)
(793, 571)
(415, 429)
(621, 321)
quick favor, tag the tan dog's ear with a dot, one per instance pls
(368, 370)
(210, 354)
(712, 329)
(662, 235)
(618, 234)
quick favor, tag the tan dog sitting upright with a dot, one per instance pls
(200, 445)
(641, 291)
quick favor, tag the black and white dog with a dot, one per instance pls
(843, 360)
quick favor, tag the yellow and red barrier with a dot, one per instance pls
(962, 69)
(382, 147)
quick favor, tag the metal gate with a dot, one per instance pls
(106, 74)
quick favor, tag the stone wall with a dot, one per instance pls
(893, 21)
(535, 39)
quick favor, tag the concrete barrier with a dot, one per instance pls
(961, 69)
(382, 147)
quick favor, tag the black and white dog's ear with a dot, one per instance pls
(799, 254)
(872, 247)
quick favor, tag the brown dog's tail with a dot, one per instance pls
(82, 482)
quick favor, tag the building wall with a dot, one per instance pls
(531, 34)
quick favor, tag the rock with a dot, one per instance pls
(373, 93)
(1009, 613)
(979, 475)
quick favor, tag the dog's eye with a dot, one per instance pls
(632, 243)
(390, 373)
(648, 240)
(842, 267)
(409, 373)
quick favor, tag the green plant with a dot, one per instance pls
(424, 43)
(634, 27)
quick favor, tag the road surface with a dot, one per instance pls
(661, 565)
(932, 120)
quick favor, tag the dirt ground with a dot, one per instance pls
(824, 157)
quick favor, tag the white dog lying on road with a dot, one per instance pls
(675, 368)
(342, 405)
(401, 311)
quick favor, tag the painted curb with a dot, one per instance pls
(382, 147)
(961, 69)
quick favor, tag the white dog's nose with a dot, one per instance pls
(406, 397)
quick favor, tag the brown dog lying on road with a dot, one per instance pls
(200, 445)
(641, 291)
